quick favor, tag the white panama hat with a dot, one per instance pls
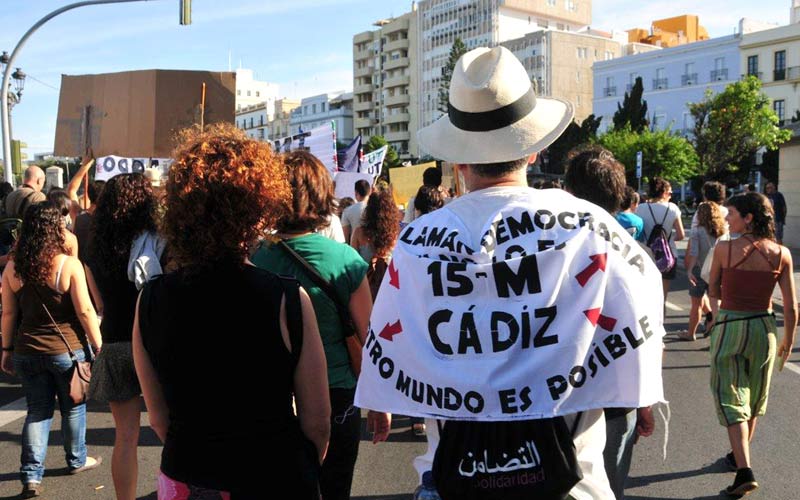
(494, 114)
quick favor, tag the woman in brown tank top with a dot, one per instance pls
(47, 288)
(743, 340)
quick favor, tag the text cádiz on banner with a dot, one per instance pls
(558, 310)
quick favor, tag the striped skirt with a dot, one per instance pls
(742, 355)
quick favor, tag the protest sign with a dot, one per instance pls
(136, 113)
(407, 180)
(107, 167)
(373, 162)
(320, 142)
(346, 183)
(544, 307)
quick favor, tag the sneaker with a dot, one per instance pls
(91, 463)
(744, 483)
(31, 490)
(730, 461)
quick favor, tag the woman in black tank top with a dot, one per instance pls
(217, 334)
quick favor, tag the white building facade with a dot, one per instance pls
(254, 120)
(250, 91)
(320, 109)
(672, 78)
(481, 23)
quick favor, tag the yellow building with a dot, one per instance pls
(670, 32)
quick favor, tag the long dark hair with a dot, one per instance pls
(125, 209)
(763, 225)
(40, 239)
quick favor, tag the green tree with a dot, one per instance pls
(573, 136)
(664, 154)
(456, 51)
(377, 142)
(730, 126)
(633, 110)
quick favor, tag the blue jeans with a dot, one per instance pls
(620, 434)
(43, 378)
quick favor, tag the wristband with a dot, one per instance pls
(8, 349)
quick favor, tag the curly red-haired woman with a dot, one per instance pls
(218, 334)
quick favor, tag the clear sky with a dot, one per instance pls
(303, 45)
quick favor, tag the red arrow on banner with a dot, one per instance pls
(595, 318)
(390, 331)
(394, 276)
(598, 264)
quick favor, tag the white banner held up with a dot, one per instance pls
(373, 162)
(320, 142)
(107, 167)
(549, 309)
(346, 183)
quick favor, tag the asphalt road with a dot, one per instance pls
(692, 468)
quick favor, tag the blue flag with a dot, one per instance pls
(350, 157)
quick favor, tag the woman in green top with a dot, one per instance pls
(340, 265)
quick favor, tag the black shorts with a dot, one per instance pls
(670, 275)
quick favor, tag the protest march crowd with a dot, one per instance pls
(503, 321)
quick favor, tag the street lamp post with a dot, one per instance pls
(185, 18)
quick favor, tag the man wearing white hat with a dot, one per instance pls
(511, 305)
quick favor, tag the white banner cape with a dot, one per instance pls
(554, 309)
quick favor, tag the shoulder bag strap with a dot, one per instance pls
(52, 320)
(324, 285)
(294, 315)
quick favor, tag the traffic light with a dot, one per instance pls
(185, 12)
(17, 155)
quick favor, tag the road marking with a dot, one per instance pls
(13, 411)
(672, 307)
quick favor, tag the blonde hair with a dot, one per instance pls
(709, 216)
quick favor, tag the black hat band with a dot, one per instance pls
(486, 121)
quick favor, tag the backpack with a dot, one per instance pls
(658, 243)
(377, 268)
(9, 229)
(516, 460)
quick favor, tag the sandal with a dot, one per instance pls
(685, 336)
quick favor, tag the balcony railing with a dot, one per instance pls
(779, 74)
(610, 91)
(793, 73)
(689, 79)
(660, 83)
(718, 75)
(756, 74)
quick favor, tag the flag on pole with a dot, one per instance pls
(350, 157)
(373, 162)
